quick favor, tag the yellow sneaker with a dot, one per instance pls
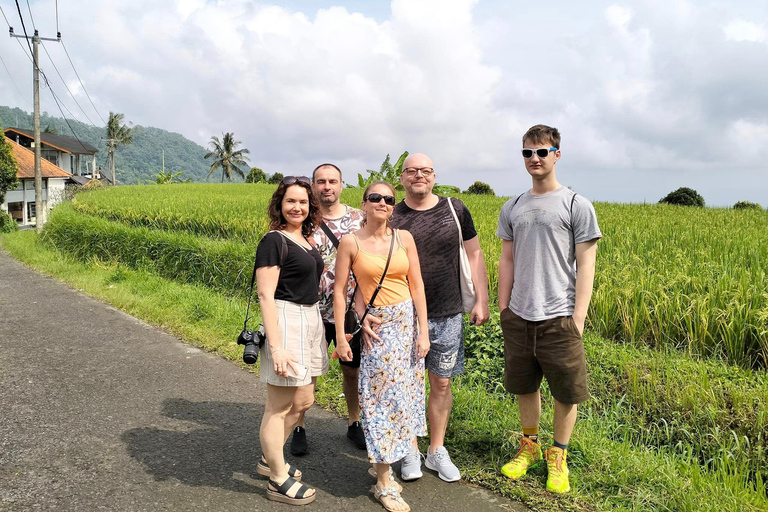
(529, 455)
(557, 467)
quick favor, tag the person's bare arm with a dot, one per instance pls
(506, 273)
(481, 312)
(343, 266)
(586, 254)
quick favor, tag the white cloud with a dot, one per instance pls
(655, 89)
(742, 30)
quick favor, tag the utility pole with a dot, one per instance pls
(41, 205)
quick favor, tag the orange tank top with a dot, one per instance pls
(369, 267)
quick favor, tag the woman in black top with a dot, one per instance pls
(288, 273)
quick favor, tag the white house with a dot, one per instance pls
(68, 153)
(20, 202)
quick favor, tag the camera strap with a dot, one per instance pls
(283, 253)
(335, 242)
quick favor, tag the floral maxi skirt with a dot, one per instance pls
(391, 386)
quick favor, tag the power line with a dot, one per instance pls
(65, 84)
(12, 80)
(30, 15)
(9, 26)
(78, 77)
(26, 36)
(56, 99)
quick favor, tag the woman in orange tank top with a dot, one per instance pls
(391, 382)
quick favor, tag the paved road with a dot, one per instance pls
(100, 411)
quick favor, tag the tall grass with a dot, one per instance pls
(219, 264)
(688, 278)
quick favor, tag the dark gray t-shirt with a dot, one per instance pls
(437, 242)
(545, 231)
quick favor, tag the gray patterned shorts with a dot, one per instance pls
(446, 351)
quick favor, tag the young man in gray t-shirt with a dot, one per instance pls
(546, 270)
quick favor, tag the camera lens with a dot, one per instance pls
(250, 353)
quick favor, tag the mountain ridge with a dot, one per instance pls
(140, 160)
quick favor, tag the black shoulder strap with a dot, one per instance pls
(283, 254)
(329, 234)
(381, 281)
(516, 200)
(573, 232)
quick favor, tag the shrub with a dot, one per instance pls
(480, 188)
(683, 196)
(276, 178)
(445, 190)
(256, 176)
(7, 224)
(746, 205)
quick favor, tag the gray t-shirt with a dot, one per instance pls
(544, 231)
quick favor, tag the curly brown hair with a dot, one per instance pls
(275, 209)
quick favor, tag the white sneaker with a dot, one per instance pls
(410, 468)
(440, 461)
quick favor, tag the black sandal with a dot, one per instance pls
(263, 470)
(280, 493)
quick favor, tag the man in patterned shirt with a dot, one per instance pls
(340, 219)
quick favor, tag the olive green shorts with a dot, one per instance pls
(551, 348)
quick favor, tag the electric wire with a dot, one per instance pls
(81, 82)
(12, 80)
(57, 16)
(16, 38)
(55, 99)
(30, 15)
(65, 84)
(26, 36)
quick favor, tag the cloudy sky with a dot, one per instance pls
(649, 96)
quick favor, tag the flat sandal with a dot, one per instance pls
(391, 493)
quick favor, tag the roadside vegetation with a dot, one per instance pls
(676, 345)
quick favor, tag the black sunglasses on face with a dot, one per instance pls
(290, 180)
(375, 198)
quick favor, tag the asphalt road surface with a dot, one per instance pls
(100, 411)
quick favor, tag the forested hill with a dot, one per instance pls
(140, 160)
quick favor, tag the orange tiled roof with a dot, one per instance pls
(26, 162)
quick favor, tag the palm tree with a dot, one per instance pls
(117, 134)
(227, 156)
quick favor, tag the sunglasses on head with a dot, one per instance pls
(541, 152)
(291, 180)
(375, 198)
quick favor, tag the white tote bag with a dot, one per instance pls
(468, 294)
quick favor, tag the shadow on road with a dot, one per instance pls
(216, 444)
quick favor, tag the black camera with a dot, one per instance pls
(253, 340)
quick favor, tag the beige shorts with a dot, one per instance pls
(304, 337)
